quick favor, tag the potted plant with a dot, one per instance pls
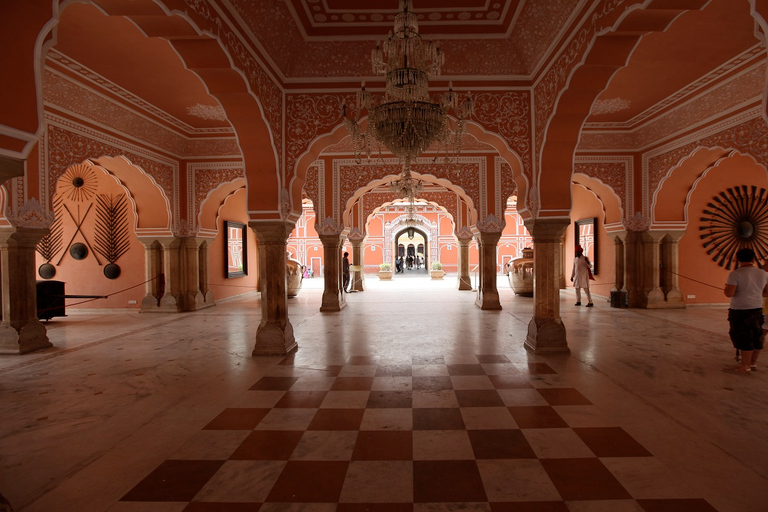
(437, 271)
(385, 271)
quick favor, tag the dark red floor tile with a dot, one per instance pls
(268, 445)
(375, 507)
(447, 481)
(309, 482)
(676, 505)
(530, 506)
(174, 480)
(352, 384)
(237, 419)
(540, 369)
(583, 479)
(510, 381)
(500, 444)
(301, 399)
(337, 419)
(438, 418)
(362, 360)
(611, 442)
(478, 398)
(563, 396)
(491, 358)
(426, 360)
(436, 383)
(202, 506)
(332, 370)
(465, 369)
(393, 370)
(534, 416)
(389, 399)
(274, 383)
(381, 445)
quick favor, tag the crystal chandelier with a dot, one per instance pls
(406, 120)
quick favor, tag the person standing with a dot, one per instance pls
(345, 271)
(746, 286)
(580, 276)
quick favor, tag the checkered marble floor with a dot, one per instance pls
(417, 433)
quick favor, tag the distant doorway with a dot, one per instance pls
(411, 247)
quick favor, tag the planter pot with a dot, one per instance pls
(521, 274)
(295, 275)
(385, 275)
(437, 274)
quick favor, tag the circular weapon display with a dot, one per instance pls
(736, 219)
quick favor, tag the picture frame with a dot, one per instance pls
(236, 249)
(585, 235)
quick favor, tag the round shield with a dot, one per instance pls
(46, 271)
(78, 251)
(112, 270)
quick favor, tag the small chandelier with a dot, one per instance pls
(407, 121)
(406, 187)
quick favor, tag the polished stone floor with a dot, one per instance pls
(410, 399)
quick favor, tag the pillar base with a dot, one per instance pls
(488, 300)
(465, 283)
(332, 302)
(32, 337)
(546, 336)
(274, 340)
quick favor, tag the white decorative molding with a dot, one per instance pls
(184, 229)
(610, 106)
(464, 233)
(356, 234)
(330, 227)
(207, 112)
(30, 215)
(638, 223)
(491, 224)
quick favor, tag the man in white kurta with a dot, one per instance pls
(580, 276)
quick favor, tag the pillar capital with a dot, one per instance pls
(547, 230)
(271, 232)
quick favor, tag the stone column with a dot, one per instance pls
(618, 291)
(204, 277)
(633, 268)
(670, 250)
(546, 332)
(358, 278)
(20, 330)
(275, 333)
(153, 269)
(192, 296)
(465, 280)
(333, 298)
(488, 293)
(653, 295)
(171, 301)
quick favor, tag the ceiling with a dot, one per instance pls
(328, 43)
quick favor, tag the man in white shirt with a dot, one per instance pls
(746, 286)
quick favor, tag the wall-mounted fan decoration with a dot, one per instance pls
(50, 244)
(735, 219)
(112, 238)
(78, 183)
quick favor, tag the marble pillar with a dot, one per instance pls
(204, 276)
(634, 269)
(465, 279)
(20, 330)
(191, 293)
(546, 332)
(358, 278)
(487, 292)
(171, 301)
(653, 296)
(275, 333)
(153, 270)
(618, 290)
(333, 298)
(671, 255)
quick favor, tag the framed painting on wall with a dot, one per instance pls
(235, 241)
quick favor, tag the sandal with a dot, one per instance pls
(737, 371)
(753, 368)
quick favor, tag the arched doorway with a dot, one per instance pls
(411, 246)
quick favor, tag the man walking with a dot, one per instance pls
(345, 272)
(746, 286)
